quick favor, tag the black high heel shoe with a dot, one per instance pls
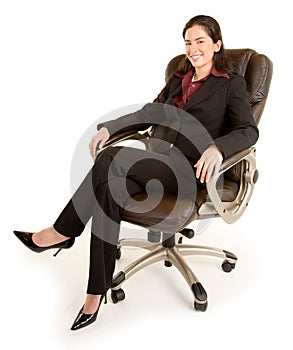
(26, 239)
(83, 320)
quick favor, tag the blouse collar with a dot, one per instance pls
(213, 72)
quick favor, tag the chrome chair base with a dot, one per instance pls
(172, 251)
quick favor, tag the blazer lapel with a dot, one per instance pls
(176, 91)
(210, 86)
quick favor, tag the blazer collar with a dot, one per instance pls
(210, 86)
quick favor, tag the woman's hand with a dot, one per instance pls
(208, 164)
(99, 140)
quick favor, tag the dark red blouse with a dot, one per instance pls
(190, 87)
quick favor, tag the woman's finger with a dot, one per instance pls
(92, 145)
(198, 167)
(210, 172)
(204, 172)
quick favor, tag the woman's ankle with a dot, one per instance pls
(48, 236)
(91, 303)
(58, 235)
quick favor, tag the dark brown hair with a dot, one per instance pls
(212, 28)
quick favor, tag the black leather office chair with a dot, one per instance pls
(229, 202)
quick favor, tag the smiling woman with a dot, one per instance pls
(204, 47)
(215, 100)
(200, 50)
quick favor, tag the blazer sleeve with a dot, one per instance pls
(242, 131)
(142, 119)
(150, 114)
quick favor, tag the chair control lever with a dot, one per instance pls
(187, 232)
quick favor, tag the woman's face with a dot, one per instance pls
(200, 48)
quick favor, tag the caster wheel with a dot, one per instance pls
(167, 263)
(118, 253)
(227, 266)
(117, 295)
(200, 307)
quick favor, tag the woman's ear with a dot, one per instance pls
(218, 46)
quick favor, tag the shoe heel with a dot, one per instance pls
(66, 245)
(58, 251)
(105, 298)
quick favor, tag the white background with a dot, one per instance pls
(64, 64)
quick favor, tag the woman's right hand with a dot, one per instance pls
(99, 140)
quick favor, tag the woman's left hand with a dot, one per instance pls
(208, 164)
(99, 140)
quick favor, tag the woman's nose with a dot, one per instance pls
(193, 47)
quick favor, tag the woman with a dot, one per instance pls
(205, 88)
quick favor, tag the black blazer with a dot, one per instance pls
(219, 112)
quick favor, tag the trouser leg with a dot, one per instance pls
(78, 211)
(105, 235)
(94, 199)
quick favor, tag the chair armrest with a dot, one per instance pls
(232, 211)
(125, 136)
(233, 160)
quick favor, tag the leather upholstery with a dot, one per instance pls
(257, 70)
(164, 217)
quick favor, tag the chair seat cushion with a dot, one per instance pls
(163, 215)
(227, 193)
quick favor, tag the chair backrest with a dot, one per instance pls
(257, 69)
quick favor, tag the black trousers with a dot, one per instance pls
(118, 173)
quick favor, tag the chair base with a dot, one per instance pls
(173, 254)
